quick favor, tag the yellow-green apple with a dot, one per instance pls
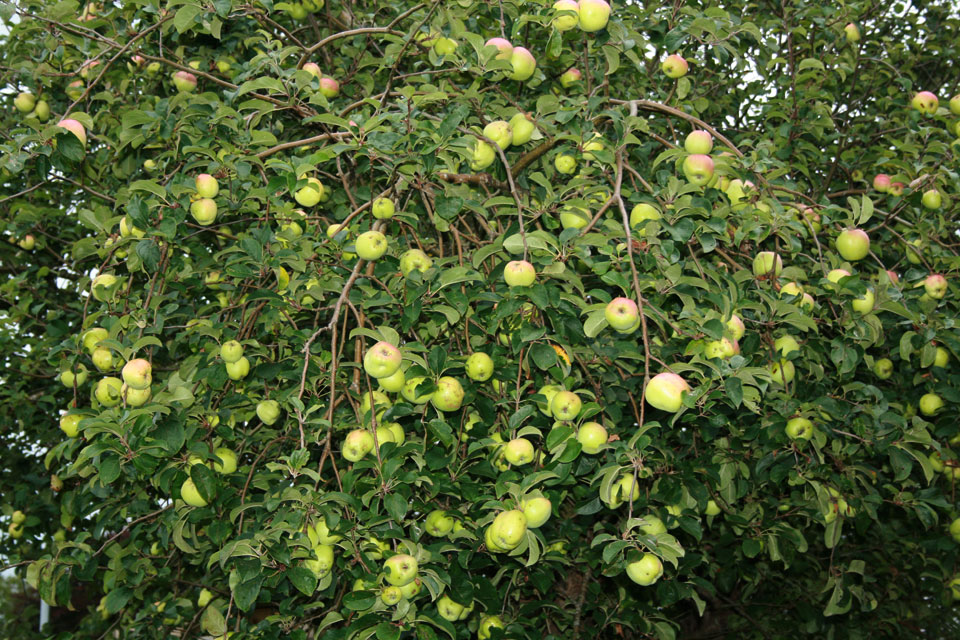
(310, 194)
(127, 229)
(400, 569)
(439, 523)
(518, 451)
(570, 77)
(883, 368)
(646, 570)
(479, 366)
(134, 397)
(226, 461)
(698, 142)
(27, 242)
(71, 377)
(930, 404)
(913, 251)
(15, 530)
(357, 444)
(508, 528)
(445, 46)
(941, 358)
(643, 211)
(409, 391)
(698, 169)
(239, 369)
(572, 217)
(104, 286)
(621, 313)
(925, 102)
(137, 373)
(594, 15)
(835, 275)
(25, 102)
(955, 529)
(204, 211)
(184, 81)
(18, 517)
(329, 88)
(736, 327)
(537, 511)
(449, 609)
(799, 428)
(504, 48)
(482, 155)
(75, 89)
(522, 128)
(70, 424)
(190, 494)
(713, 509)
(896, 189)
(382, 360)
(864, 304)
(548, 392)
(519, 273)
(268, 411)
(313, 69)
(383, 208)
(591, 436)
(394, 382)
(790, 290)
(565, 21)
(935, 286)
(500, 132)
(207, 186)
(371, 245)
(723, 348)
(414, 259)
(42, 111)
(75, 128)
(652, 525)
(449, 394)
(490, 622)
(594, 144)
(665, 391)
(524, 64)
(231, 351)
(565, 163)
(674, 66)
(565, 405)
(204, 598)
(783, 372)
(108, 391)
(931, 199)
(767, 263)
(391, 595)
(853, 244)
(852, 32)
(786, 345)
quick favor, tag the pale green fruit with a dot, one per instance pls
(227, 460)
(508, 528)
(400, 569)
(268, 411)
(190, 494)
(665, 392)
(523, 129)
(537, 511)
(394, 382)
(238, 370)
(646, 570)
(479, 366)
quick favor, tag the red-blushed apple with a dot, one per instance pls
(371, 245)
(207, 186)
(537, 511)
(931, 199)
(400, 570)
(75, 128)
(925, 102)
(896, 189)
(522, 128)
(621, 313)
(698, 142)
(570, 77)
(27, 242)
(503, 46)
(565, 405)
(935, 286)
(591, 436)
(853, 244)
(565, 22)
(479, 366)
(852, 33)
(736, 327)
(881, 182)
(892, 275)
(524, 64)
(519, 451)
(519, 273)
(645, 571)
(382, 360)
(665, 391)
(448, 395)
(767, 263)
(204, 211)
(184, 81)
(594, 15)
(799, 428)
(329, 88)
(500, 132)
(674, 66)
(698, 169)
(313, 69)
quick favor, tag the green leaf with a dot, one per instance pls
(185, 16)
(245, 594)
(205, 480)
(212, 621)
(543, 355)
(303, 579)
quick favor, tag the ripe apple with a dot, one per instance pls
(357, 444)
(134, 397)
(409, 391)
(767, 262)
(931, 199)
(883, 368)
(881, 182)
(518, 451)
(736, 327)
(383, 208)
(190, 494)
(519, 273)
(835, 275)
(864, 304)
(565, 163)
(42, 111)
(925, 102)
(184, 81)
(522, 128)
(786, 345)
(896, 189)
(27, 242)
(524, 64)
(438, 523)
(570, 77)
(414, 259)
(713, 509)
(137, 374)
(108, 391)
(548, 392)
(329, 88)
(930, 404)
(382, 360)
(665, 392)
(565, 405)
(500, 132)
(698, 142)
(400, 569)
(790, 290)
(231, 351)
(313, 69)
(594, 15)
(207, 186)
(566, 21)
(76, 376)
(799, 429)
(238, 370)
(698, 169)
(449, 394)
(852, 32)
(674, 66)
(394, 382)
(646, 570)
(489, 622)
(853, 244)
(592, 436)
(643, 211)
(942, 358)
(622, 314)
(508, 528)
(537, 511)
(75, 128)
(25, 102)
(652, 525)
(371, 245)
(445, 46)
(268, 411)
(483, 155)
(935, 286)
(226, 462)
(204, 211)
(310, 194)
(479, 366)
(783, 372)
(503, 46)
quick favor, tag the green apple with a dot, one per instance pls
(651, 525)
(449, 609)
(766, 263)
(955, 529)
(231, 351)
(15, 530)
(930, 404)
(310, 194)
(519, 451)
(71, 377)
(371, 245)
(569, 11)
(137, 374)
(643, 211)
(883, 368)
(594, 15)
(383, 208)
(102, 359)
(482, 155)
(723, 349)
(184, 81)
(42, 111)
(736, 327)
(382, 360)
(104, 287)
(93, 337)
(851, 32)
(357, 444)
(391, 595)
(565, 405)
(864, 304)
(409, 391)
(489, 622)
(698, 169)
(665, 392)
(835, 275)
(108, 391)
(519, 273)
(674, 66)
(592, 436)
(70, 424)
(786, 345)
(448, 395)
(500, 132)
(954, 588)
(548, 392)
(522, 127)
(925, 102)
(537, 511)
(574, 217)
(479, 366)
(394, 382)
(439, 523)
(508, 528)
(445, 46)
(204, 598)
(414, 259)
(570, 77)
(646, 570)
(698, 141)
(935, 286)
(565, 163)
(799, 429)
(25, 102)
(931, 199)
(713, 509)
(207, 186)
(204, 211)
(782, 372)
(400, 569)
(621, 313)
(227, 460)
(268, 411)
(238, 370)
(18, 517)
(853, 244)
(190, 494)
(941, 358)
(134, 397)
(790, 290)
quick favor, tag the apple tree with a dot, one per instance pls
(455, 318)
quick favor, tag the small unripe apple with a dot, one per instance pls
(268, 411)
(565, 405)
(767, 263)
(184, 81)
(665, 392)
(445, 46)
(25, 102)
(239, 369)
(489, 622)
(448, 395)
(643, 211)
(108, 391)
(27, 242)
(736, 327)
(371, 245)
(500, 132)
(519, 451)
(134, 397)
(799, 428)
(310, 194)
(479, 366)
(357, 444)
(713, 509)
(645, 571)
(537, 511)
(698, 142)
(622, 314)
(790, 290)
(102, 359)
(723, 348)
(566, 21)
(226, 460)
(104, 286)
(153, 68)
(864, 304)
(504, 47)
(207, 186)
(786, 345)
(149, 165)
(930, 404)
(883, 368)
(231, 351)
(935, 286)
(329, 88)
(674, 66)
(594, 15)
(835, 275)
(190, 494)
(519, 273)
(853, 244)
(698, 169)
(75, 89)
(783, 372)
(508, 528)
(414, 259)
(522, 128)
(383, 208)
(409, 391)
(565, 163)
(570, 77)
(75, 128)
(42, 111)
(591, 436)
(941, 357)
(438, 523)
(483, 155)
(382, 360)
(70, 424)
(524, 64)
(16, 531)
(931, 199)
(852, 33)
(204, 211)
